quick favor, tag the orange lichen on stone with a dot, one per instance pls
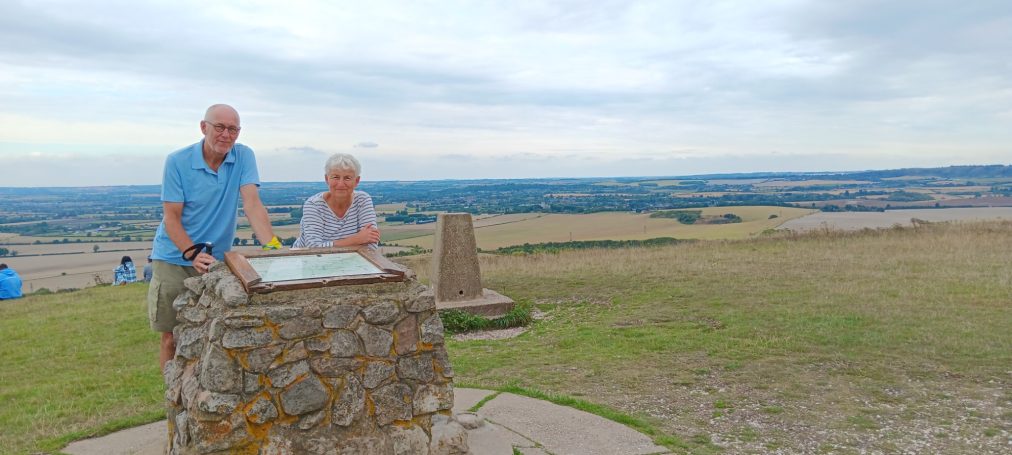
(259, 432)
(241, 358)
(363, 361)
(285, 418)
(273, 326)
(370, 406)
(246, 408)
(404, 423)
(222, 428)
(248, 449)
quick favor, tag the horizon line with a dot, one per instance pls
(730, 175)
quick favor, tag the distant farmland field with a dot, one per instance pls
(67, 271)
(72, 270)
(849, 221)
(390, 208)
(393, 234)
(493, 231)
(397, 232)
(73, 247)
(802, 183)
(620, 226)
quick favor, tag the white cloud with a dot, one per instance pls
(883, 84)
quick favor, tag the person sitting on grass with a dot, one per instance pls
(125, 273)
(10, 283)
(340, 216)
(147, 271)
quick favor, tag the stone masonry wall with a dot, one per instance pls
(339, 370)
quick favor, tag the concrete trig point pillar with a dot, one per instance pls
(456, 277)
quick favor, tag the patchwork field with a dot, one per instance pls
(86, 268)
(390, 208)
(804, 183)
(493, 231)
(861, 220)
(63, 248)
(619, 226)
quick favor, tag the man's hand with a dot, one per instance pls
(274, 244)
(203, 262)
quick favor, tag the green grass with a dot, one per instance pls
(863, 421)
(870, 335)
(457, 321)
(839, 317)
(74, 365)
(482, 402)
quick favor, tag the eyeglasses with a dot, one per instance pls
(233, 130)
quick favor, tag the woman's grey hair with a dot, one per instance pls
(342, 162)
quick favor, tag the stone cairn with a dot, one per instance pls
(358, 369)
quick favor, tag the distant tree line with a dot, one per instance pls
(683, 216)
(410, 218)
(411, 251)
(1005, 190)
(850, 208)
(694, 216)
(907, 196)
(964, 172)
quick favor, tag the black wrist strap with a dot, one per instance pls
(192, 252)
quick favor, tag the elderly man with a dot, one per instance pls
(201, 186)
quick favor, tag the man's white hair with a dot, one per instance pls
(207, 113)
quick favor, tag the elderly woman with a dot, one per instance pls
(339, 216)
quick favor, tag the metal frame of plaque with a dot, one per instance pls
(382, 270)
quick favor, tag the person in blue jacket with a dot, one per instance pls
(10, 283)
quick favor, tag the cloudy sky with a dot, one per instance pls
(97, 93)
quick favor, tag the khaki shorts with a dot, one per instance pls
(166, 285)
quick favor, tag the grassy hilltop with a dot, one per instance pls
(890, 340)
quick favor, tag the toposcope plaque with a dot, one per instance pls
(317, 351)
(268, 271)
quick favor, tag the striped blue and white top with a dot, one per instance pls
(320, 226)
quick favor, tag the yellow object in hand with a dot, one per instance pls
(274, 244)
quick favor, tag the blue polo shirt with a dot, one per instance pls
(209, 198)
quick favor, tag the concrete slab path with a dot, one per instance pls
(562, 430)
(533, 427)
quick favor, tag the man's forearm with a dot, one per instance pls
(174, 228)
(259, 221)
